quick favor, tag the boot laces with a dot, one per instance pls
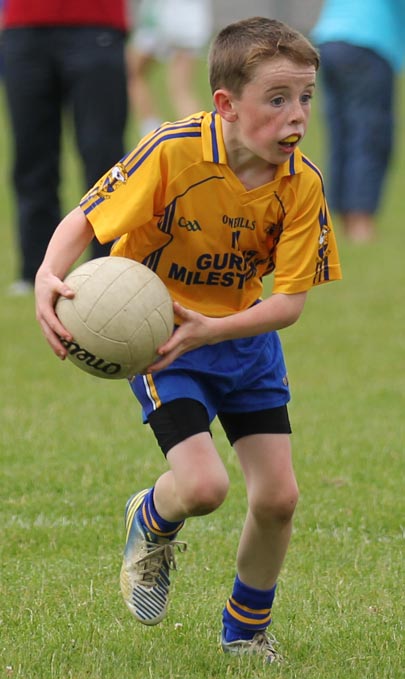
(158, 556)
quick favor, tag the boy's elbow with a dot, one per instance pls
(292, 307)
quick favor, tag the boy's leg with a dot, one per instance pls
(196, 484)
(272, 495)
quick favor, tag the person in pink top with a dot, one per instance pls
(58, 58)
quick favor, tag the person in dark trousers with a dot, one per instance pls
(60, 57)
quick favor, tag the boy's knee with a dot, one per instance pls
(278, 507)
(203, 496)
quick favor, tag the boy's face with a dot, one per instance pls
(274, 107)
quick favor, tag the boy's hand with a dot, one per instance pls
(48, 287)
(195, 331)
(276, 312)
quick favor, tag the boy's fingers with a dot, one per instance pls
(65, 291)
(53, 340)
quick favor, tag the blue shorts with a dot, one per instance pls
(235, 376)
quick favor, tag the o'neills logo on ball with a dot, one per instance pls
(81, 354)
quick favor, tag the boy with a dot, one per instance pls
(213, 203)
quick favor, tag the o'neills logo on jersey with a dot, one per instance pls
(239, 222)
(79, 353)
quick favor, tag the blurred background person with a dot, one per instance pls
(362, 50)
(176, 33)
(57, 57)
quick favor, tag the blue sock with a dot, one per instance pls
(247, 611)
(154, 523)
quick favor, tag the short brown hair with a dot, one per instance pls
(241, 46)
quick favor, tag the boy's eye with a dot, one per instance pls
(306, 98)
(277, 101)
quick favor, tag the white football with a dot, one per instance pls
(120, 315)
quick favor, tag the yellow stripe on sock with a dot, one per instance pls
(153, 526)
(248, 621)
(247, 609)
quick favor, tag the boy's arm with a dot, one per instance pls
(274, 313)
(68, 242)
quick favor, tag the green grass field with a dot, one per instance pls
(73, 449)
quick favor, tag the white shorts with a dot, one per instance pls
(162, 26)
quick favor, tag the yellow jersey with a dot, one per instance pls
(174, 204)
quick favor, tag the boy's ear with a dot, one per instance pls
(223, 101)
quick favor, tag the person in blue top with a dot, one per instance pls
(362, 50)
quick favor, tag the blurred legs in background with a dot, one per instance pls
(358, 90)
(174, 32)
